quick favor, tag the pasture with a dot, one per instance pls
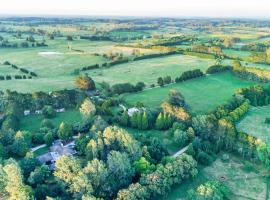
(201, 94)
(32, 122)
(149, 70)
(242, 182)
(254, 123)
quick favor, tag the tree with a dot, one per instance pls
(160, 81)
(48, 138)
(180, 137)
(48, 112)
(143, 166)
(85, 82)
(39, 175)
(176, 99)
(145, 123)
(160, 122)
(135, 191)
(87, 108)
(15, 186)
(120, 168)
(97, 173)
(69, 170)
(91, 150)
(65, 131)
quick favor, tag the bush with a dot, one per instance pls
(6, 63)
(48, 112)
(204, 158)
(225, 157)
(267, 120)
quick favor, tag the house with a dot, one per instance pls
(26, 112)
(57, 150)
(131, 111)
(60, 110)
(38, 112)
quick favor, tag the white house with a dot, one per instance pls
(26, 112)
(38, 112)
(60, 110)
(131, 111)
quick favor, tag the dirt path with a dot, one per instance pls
(178, 153)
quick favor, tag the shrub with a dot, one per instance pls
(48, 112)
(6, 63)
(267, 120)
(204, 158)
(8, 77)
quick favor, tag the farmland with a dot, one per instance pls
(202, 95)
(149, 70)
(244, 182)
(254, 123)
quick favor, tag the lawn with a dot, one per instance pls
(150, 69)
(202, 94)
(32, 122)
(243, 183)
(41, 151)
(254, 123)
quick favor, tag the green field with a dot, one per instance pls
(243, 184)
(254, 123)
(32, 122)
(202, 94)
(55, 71)
(149, 70)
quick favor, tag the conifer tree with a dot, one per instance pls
(144, 121)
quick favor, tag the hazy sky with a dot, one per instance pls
(207, 8)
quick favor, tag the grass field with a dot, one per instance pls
(202, 94)
(254, 123)
(244, 184)
(150, 69)
(32, 122)
(55, 71)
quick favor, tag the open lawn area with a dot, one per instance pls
(149, 70)
(254, 123)
(244, 182)
(202, 94)
(32, 122)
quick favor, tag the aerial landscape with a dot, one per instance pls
(134, 105)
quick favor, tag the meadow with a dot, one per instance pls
(32, 122)
(243, 182)
(254, 123)
(202, 94)
(149, 70)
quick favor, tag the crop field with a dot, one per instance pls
(243, 183)
(202, 95)
(254, 123)
(32, 122)
(150, 69)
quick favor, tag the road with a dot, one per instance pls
(178, 153)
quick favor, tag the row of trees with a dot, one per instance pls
(189, 75)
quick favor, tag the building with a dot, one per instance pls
(26, 112)
(57, 150)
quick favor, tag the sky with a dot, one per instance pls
(180, 8)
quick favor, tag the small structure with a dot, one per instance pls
(26, 112)
(60, 110)
(131, 111)
(38, 112)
